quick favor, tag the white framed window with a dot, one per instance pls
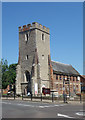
(78, 78)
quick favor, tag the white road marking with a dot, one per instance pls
(56, 105)
(66, 116)
(40, 106)
(60, 105)
(6, 103)
(80, 114)
(19, 104)
(44, 106)
(24, 105)
(50, 106)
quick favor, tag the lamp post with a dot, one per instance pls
(81, 87)
(74, 89)
(69, 86)
(63, 90)
(14, 88)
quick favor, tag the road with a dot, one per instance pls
(28, 109)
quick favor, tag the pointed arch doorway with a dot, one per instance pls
(28, 81)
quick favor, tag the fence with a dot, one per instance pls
(41, 98)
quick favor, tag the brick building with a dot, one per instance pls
(82, 80)
(65, 78)
(35, 70)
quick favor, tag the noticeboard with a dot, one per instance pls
(45, 91)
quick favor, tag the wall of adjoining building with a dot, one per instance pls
(59, 84)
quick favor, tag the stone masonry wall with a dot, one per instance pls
(27, 49)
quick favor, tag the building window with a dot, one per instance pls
(60, 86)
(42, 36)
(26, 57)
(42, 56)
(60, 77)
(77, 87)
(68, 78)
(73, 78)
(27, 36)
(56, 77)
(57, 87)
(63, 77)
(77, 78)
(70, 87)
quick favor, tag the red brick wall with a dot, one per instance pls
(58, 84)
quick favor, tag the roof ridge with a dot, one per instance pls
(60, 62)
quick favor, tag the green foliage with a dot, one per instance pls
(0, 76)
(8, 73)
(12, 73)
(4, 65)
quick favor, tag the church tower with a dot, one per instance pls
(33, 63)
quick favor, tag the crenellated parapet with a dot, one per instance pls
(33, 26)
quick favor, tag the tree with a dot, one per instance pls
(4, 71)
(8, 73)
(0, 76)
(12, 73)
(4, 65)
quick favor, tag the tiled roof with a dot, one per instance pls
(61, 68)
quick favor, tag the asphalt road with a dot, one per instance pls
(28, 109)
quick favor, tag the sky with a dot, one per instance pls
(84, 38)
(64, 19)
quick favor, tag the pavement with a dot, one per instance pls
(29, 109)
(44, 100)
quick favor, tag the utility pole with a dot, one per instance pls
(14, 89)
(63, 90)
(69, 86)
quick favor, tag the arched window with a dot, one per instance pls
(27, 57)
(27, 74)
(43, 36)
(27, 37)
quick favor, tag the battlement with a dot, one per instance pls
(34, 25)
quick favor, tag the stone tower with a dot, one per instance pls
(33, 64)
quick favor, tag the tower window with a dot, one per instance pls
(26, 37)
(42, 36)
(42, 56)
(26, 57)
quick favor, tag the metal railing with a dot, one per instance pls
(42, 97)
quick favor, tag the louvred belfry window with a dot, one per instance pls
(42, 36)
(27, 36)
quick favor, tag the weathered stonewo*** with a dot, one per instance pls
(33, 68)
